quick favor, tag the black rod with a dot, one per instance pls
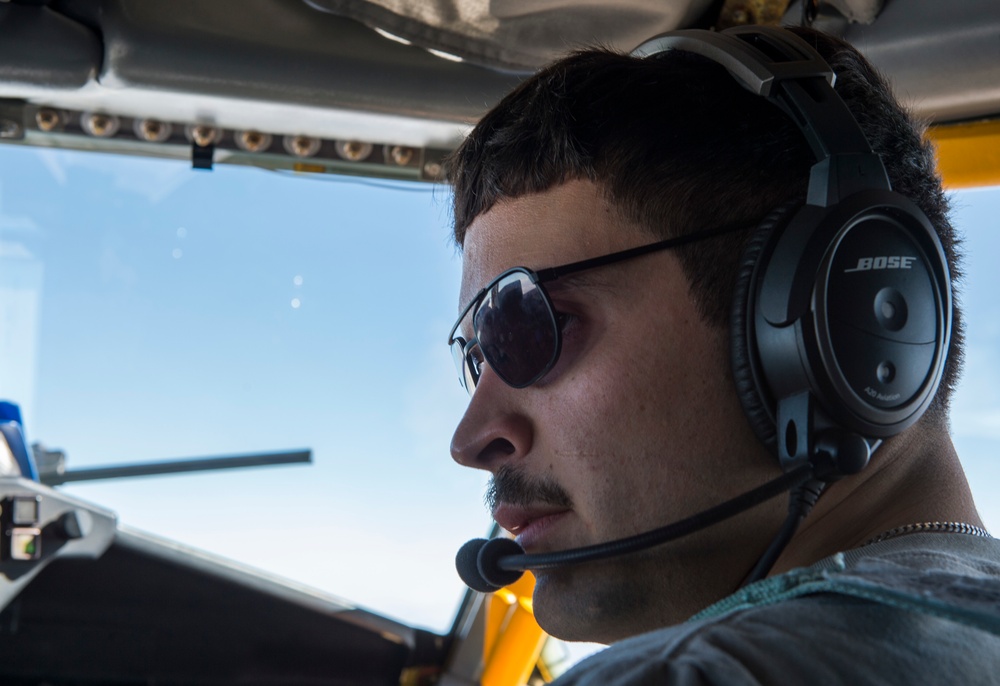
(177, 466)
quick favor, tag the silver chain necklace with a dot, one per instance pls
(940, 527)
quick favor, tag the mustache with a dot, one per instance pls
(512, 486)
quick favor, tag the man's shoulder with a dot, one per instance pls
(909, 612)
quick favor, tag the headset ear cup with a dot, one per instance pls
(743, 350)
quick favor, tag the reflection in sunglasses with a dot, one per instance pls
(516, 329)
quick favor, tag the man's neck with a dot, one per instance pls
(916, 477)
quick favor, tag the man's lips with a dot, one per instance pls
(528, 524)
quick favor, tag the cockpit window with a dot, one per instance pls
(152, 312)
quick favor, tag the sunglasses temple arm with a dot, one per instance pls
(553, 273)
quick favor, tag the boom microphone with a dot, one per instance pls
(489, 565)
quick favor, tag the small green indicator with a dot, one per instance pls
(25, 544)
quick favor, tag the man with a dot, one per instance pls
(623, 415)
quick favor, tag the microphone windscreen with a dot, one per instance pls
(488, 562)
(467, 564)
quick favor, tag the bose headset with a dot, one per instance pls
(842, 313)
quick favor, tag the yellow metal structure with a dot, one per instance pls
(513, 639)
(968, 154)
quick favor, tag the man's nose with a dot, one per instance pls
(494, 429)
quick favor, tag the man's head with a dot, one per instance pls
(638, 423)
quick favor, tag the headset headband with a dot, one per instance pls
(787, 71)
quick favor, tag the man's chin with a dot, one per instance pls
(555, 607)
(567, 606)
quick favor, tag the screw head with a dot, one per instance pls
(47, 119)
(302, 146)
(253, 141)
(204, 135)
(401, 154)
(100, 125)
(433, 169)
(153, 130)
(354, 151)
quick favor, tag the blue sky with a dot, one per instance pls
(165, 313)
(187, 314)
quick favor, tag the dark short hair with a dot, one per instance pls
(677, 145)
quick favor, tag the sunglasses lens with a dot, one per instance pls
(517, 331)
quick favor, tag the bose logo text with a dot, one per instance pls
(866, 264)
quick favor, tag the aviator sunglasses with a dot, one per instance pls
(515, 328)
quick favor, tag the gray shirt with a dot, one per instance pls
(919, 609)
